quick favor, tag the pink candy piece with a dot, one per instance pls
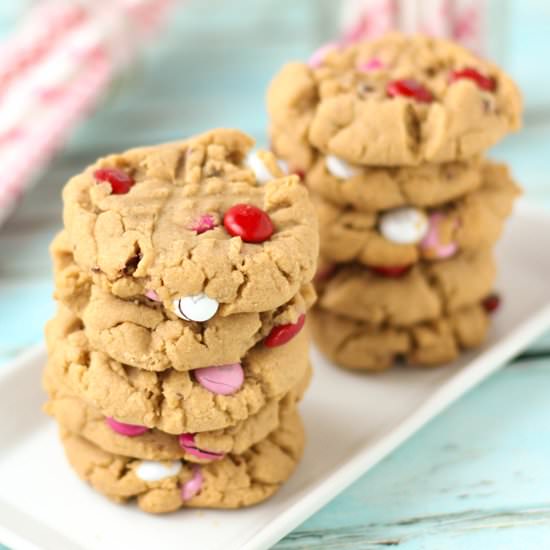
(193, 486)
(187, 443)
(371, 65)
(431, 241)
(152, 295)
(129, 430)
(221, 380)
(206, 222)
(318, 56)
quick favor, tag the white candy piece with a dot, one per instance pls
(150, 470)
(198, 307)
(340, 168)
(404, 225)
(283, 165)
(257, 165)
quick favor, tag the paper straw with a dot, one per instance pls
(54, 74)
(462, 20)
(26, 157)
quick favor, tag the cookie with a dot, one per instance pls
(359, 345)
(370, 188)
(134, 441)
(175, 402)
(141, 332)
(402, 236)
(235, 481)
(424, 292)
(194, 225)
(395, 101)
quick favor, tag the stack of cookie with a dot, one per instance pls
(389, 136)
(178, 352)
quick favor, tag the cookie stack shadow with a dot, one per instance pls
(389, 136)
(179, 351)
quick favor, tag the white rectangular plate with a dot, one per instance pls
(352, 422)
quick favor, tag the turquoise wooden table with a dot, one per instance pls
(478, 476)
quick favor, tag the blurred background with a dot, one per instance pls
(152, 71)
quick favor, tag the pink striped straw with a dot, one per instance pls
(25, 157)
(34, 39)
(461, 20)
(53, 75)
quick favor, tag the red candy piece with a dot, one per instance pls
(324, 273)
(284, 333)
(484, 82)
(300, 173)
(408, 87)
(248, 222)
(491, 303)
(391, 271)
(120, 181)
